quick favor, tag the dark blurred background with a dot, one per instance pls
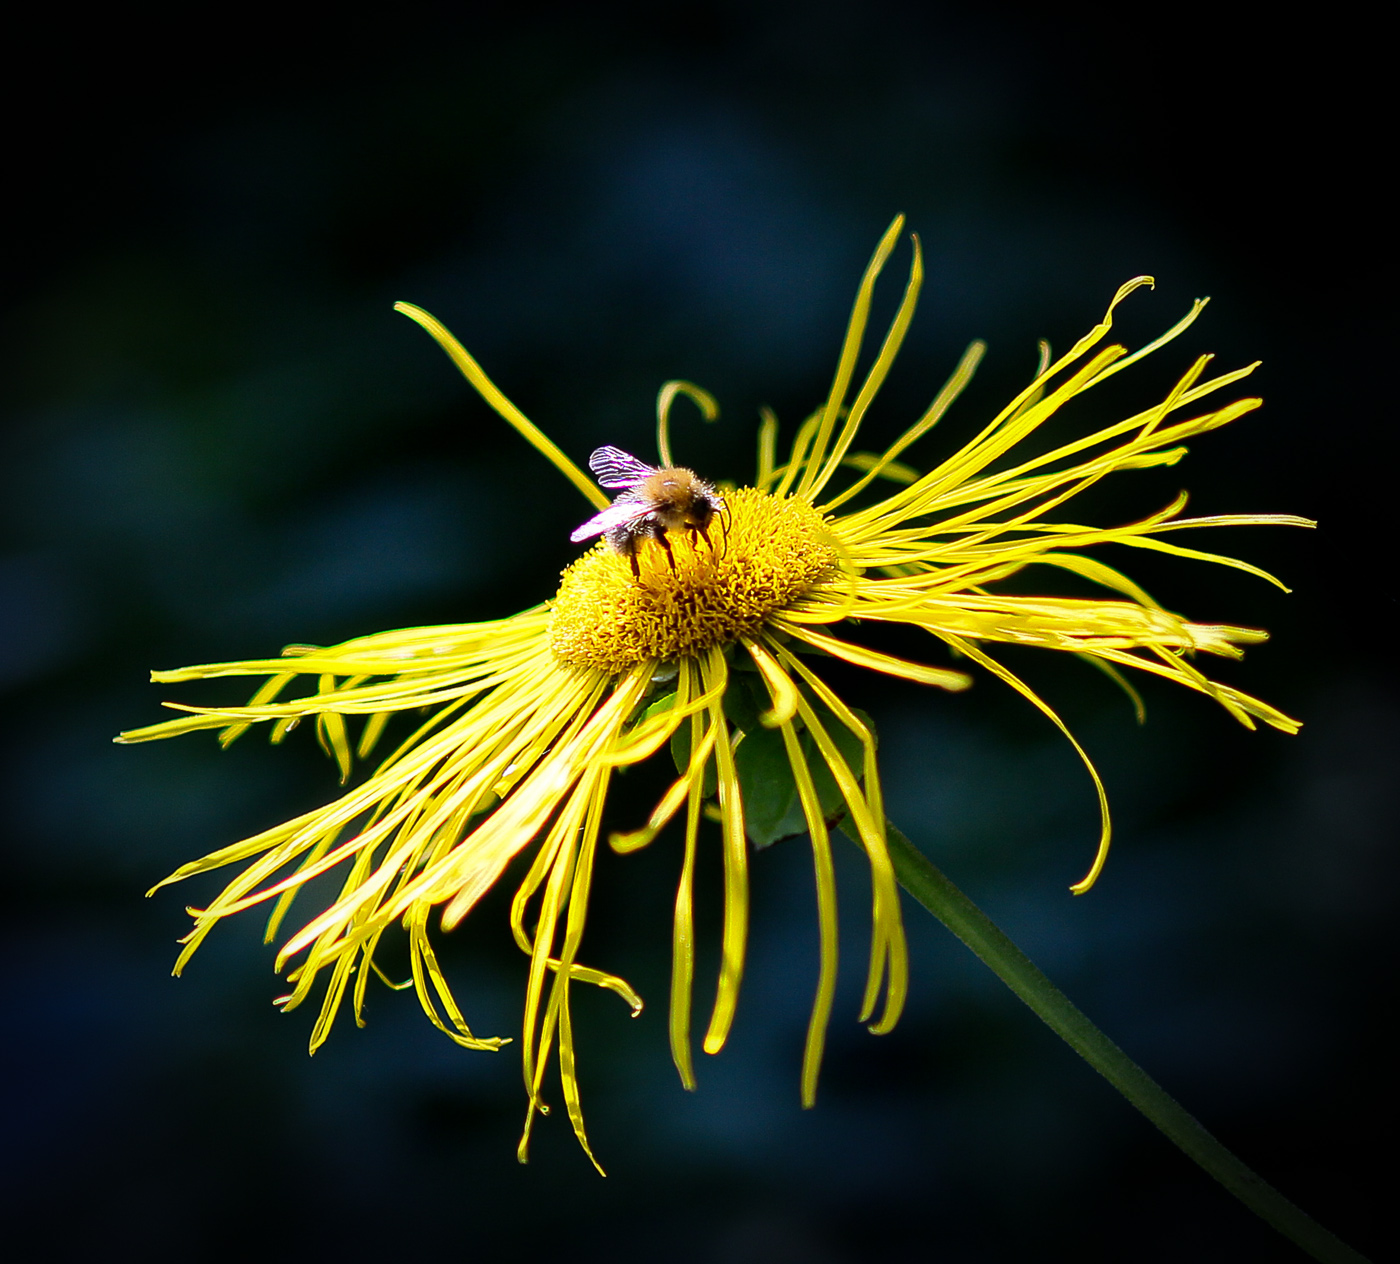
(219, 438)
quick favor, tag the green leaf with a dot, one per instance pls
(772, 806)
(772, 810)
(664, 703)
(848, 745)
(744, 700)
(680, 752)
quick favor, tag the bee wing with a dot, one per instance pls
(618, 514)
(616, 468)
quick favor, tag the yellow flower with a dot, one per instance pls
(530, 716)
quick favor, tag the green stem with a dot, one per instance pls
(961, 916)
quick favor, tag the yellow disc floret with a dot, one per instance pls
(762, 553)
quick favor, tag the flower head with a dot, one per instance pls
(709, 643)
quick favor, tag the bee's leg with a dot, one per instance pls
(660, 536)
(705, 535)
(627, 546)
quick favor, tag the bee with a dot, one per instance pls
(653, 501)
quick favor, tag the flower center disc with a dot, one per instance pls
(763, 553)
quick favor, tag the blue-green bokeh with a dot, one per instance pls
(219, 438)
